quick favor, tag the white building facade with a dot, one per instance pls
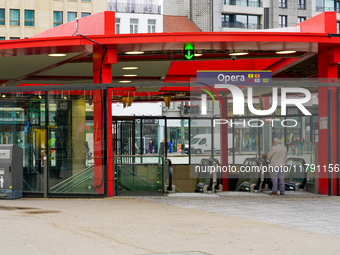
(137, 16)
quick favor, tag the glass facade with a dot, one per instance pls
(56, 131)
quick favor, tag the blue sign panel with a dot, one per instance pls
(237, 78)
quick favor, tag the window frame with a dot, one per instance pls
(27, 23)
(283, 18)
(55, 24)
(134, 26)
(283, 4)
(68, 20)
(3, 22)
(117, 26)
(85, 14)
(14, 22)
(151, 27)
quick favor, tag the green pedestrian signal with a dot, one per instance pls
(188, 52)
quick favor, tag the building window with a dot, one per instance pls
(282, 21)
(71, 16)
(133, 26)
(14, 38)
(301, 4)
(151, 26)
(2, 38)
(29, 18)
(57, 18)
(252, 3)
(14, 17)
(301, 19)
(2, 16)
(84, 14)
(241, 21)
(325, 5)
(282, 3)
(86, 0)
(338, 27)
(117, 25)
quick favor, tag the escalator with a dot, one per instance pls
(129, 180)
(78, 183)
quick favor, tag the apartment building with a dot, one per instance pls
(23, 19)
(233, 15)
(137, 16)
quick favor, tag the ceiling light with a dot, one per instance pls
(57, 55)
(3, 95)
(130, 68)
(134, 52)
(130, 75)
(286, 52)
(39, 97)
(124, 81)
(198, 54)
(238, 53)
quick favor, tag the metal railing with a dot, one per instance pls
(241, 25)
(133, 7)
(73, 181)
(139, 172)
(325, 9)
(242, 3)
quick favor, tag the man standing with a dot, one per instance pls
(277, 157)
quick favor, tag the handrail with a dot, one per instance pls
(55, 187)
(134, 174)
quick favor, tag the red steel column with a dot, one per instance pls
(102, 73)
(328, 59)
(224, 143)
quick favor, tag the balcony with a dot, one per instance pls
(134, 8)
(325, 9)
(242, 3)
(241, 25)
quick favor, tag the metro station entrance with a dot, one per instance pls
(137, 172)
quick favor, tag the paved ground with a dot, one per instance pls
(226, 224)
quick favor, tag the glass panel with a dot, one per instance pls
(139, 173)
(75, 147)
(2, 16)
(14, 16)
(71, 16)
(21, 123)
(152, 135)
(246, 139)
(200, 144)
(177, 140)
(57, 18)
(84, 14)
(29, 18)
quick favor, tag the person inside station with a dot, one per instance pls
(277, 157)
(169, 146)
